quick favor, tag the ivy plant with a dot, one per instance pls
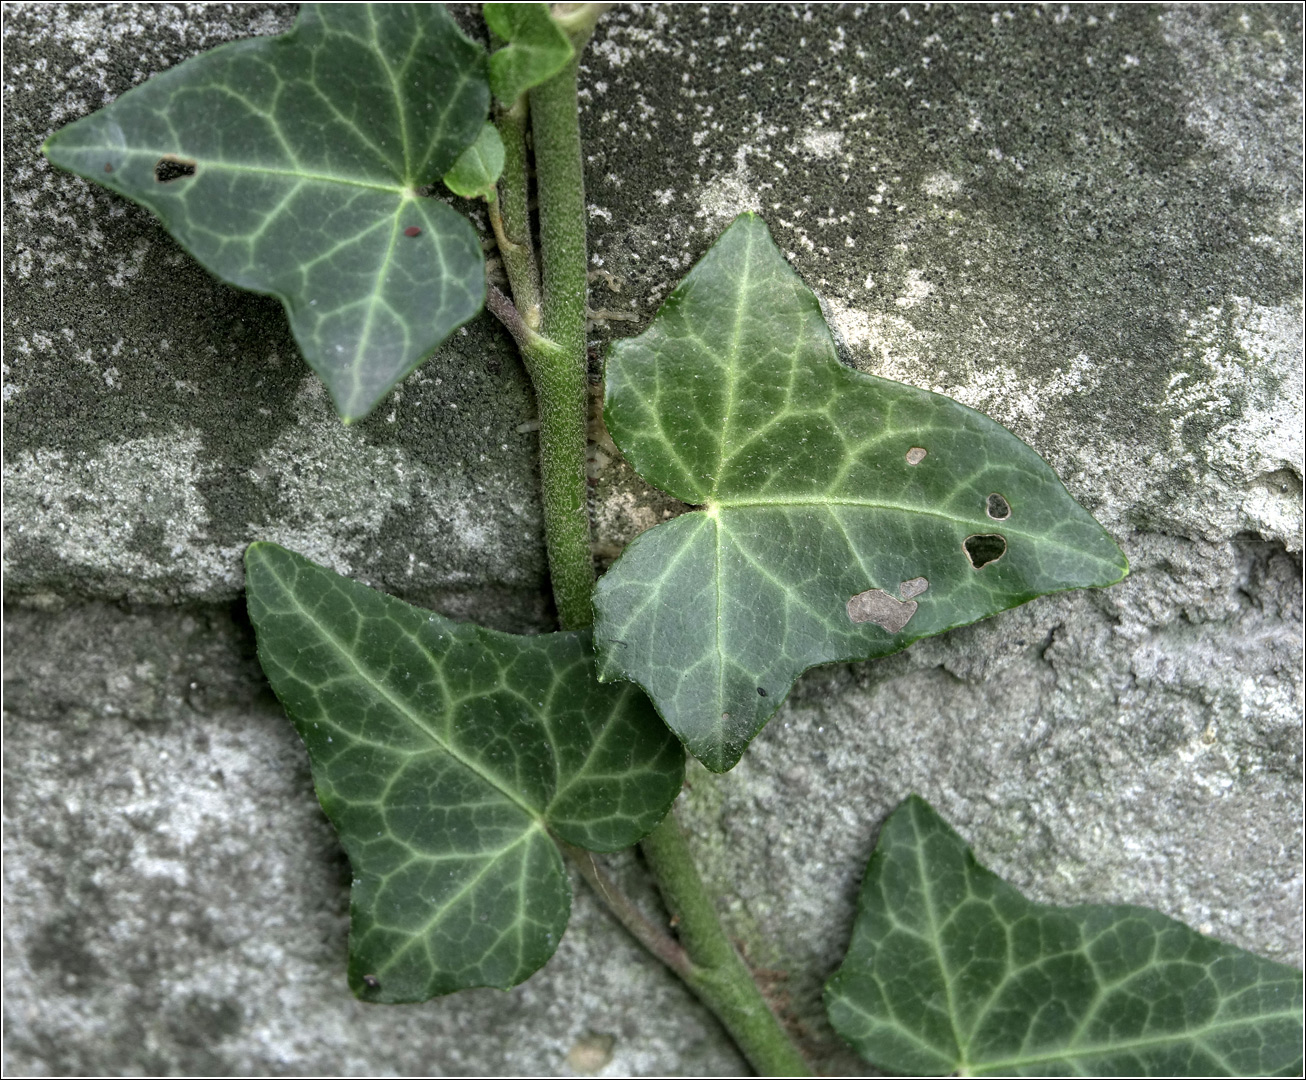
(837, 517)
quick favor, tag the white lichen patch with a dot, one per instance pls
(132, 517)
(1236, 380)
(941, 185)
(1245, 393)
(1220, 71)
(823, 142)
(334, 490)
(724, 198)
(887, 345)
(914, 289)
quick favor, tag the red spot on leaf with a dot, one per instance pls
(412, 230)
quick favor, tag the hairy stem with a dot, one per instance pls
(555, 358)
(718, 975)
(513, 230)
(559, 373)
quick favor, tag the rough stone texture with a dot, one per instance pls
(1084, 221)
(157, 421)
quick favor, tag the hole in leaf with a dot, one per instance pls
(914, 587)
(998, 508)
(916, 455)
(877, 606)
(173, 168)
(984, 548)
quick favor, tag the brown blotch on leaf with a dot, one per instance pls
(914, 587)
(108, 167)
(984, 548)
(916, 455)
(997, 507)
(170, 168)
(877, 606)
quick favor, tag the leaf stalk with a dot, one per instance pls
(719, 976)
(656, 940)
(513, 228)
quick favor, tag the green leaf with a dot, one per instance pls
(477, 170)
(845, 516)
(952, 970)
(448, 757)
(291, 166)
(537, 48)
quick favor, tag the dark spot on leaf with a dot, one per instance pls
(371, 982)
(761, 692)
(914, 587)
(998, 508)
(916, 455)
(877, 606)
(412, 230)
(984, 548)
(172, 168)
(108, 167)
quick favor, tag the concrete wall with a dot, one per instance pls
(1085, 221)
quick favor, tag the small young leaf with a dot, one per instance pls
(477, 169)
(447, 756)
(845, 516)
(537, 48)
(290, 166)
(951, 970)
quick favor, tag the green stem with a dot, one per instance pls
(717, 974)
(518, 252)
(555, 358)
(559, 372)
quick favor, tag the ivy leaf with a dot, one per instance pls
(845, 516)
(477, 169)
(951, 970)
(291, 166)
(537, 48)
(448, 757)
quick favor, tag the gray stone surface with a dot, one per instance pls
(1084, 221)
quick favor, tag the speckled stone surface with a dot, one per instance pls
(1085, 221)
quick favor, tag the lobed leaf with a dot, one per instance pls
(291, 166)
(844, 516)
(537, 48)
(952, 970)
(447, 757)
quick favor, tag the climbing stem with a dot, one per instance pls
(717, 973)
(555, 359)
(559, 371)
